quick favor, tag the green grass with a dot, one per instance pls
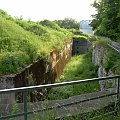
(80, 67)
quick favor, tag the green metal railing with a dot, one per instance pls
(25, 90)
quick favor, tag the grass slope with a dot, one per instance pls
(22, 42)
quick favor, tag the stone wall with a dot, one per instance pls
(60, 58)
(99, 57)
(5, 84)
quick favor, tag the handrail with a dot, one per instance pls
(114, 48)
(30, 88)
(114, 45)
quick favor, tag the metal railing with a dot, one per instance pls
(114, 45)
(25, 90)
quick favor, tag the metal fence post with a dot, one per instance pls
(118, 89)
(25, 104)
(118, 99)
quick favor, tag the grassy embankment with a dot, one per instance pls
(22, 42)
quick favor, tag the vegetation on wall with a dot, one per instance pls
(22, 42)
(113, 61)
(107, 23)
(98, 40)
(79, 37)
(112, 56)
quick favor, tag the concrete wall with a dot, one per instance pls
(80, 46)
(99, 58)
(5, 83)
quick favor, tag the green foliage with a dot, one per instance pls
(78, 37)
(54, 26)
(68, 23)
(112, 57)
(106, 21)
(80, 67)
(92, 38)
(113, 61)
(50, 24)
(15, 108)
(78, 33)
(22, 42)
(5, 15)
(13, 62)
(46, 33)
(32, 27)
(103, 41)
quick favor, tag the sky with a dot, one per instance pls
(38, 10)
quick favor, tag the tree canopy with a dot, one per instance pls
(107, 20)
(68, 23)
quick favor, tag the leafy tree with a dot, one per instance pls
(107, 20)
(68, 23)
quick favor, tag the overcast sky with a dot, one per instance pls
(49, 9)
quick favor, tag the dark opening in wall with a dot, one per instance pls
(80, 46)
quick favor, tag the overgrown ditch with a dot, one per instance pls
(80, 67)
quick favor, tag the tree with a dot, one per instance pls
(68, 23)
(107, 20)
